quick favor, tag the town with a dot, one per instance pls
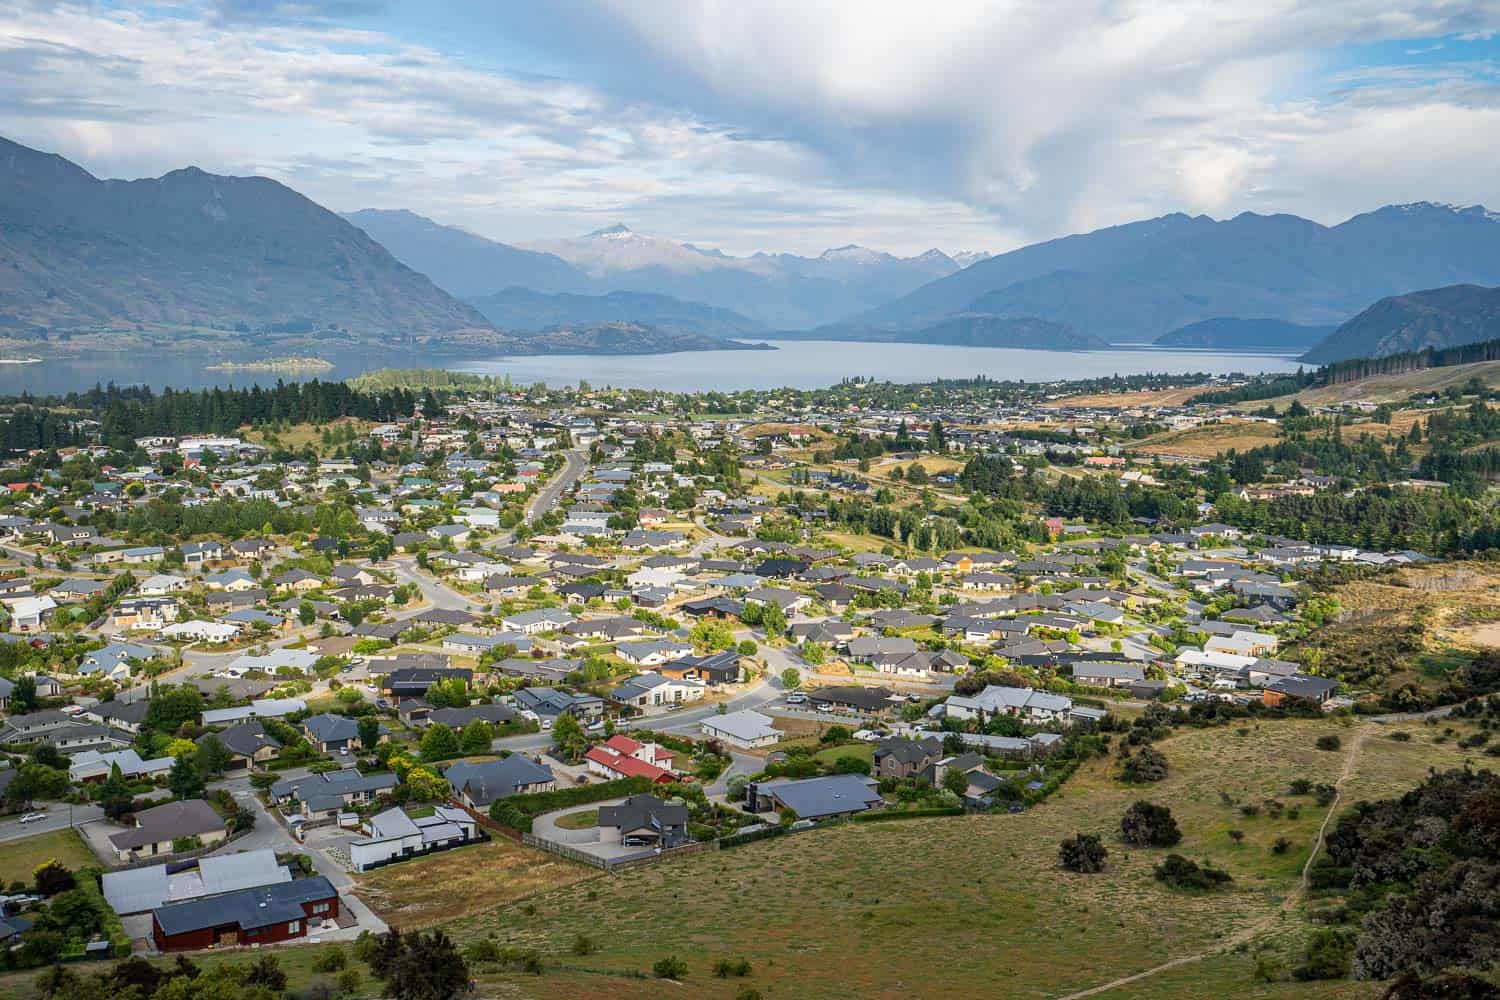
(309, 664)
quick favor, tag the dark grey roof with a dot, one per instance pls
(489, 780)
(246, 908)
(640, 811)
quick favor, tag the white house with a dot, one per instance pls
(745, 729)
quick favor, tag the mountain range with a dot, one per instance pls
(1436, 317)
(191, 249)
(772, 290)
(238, 260)
(1136, 282)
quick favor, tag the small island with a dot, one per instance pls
(274, 365)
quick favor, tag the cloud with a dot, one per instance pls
(777, 125)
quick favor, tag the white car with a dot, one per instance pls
(33, 817)
(796, 698)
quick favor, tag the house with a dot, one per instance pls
(323, 796)
(262, 708)
(248, 744)
(396, 836)
(141, 890)
(126, 715)
(331, 733)
(409, 682)
(92, 765)
(853, 698)
(298, 580)
(745, 729)
(900, 757)
(643, 821)
(1025, 703)
(651, 753)
(653, 653)
(712, 669)
(536, 622)
(249, 917)
(609, 763)
(1107, 674)
(650, 690)
(27, 614)
(477, 785)
(1301, 687)
(157, 828)
(198, 630)
(549, 703)
(835, 795)
(198, 553)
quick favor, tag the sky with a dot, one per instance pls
(778, 125)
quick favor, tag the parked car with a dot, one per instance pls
(796, 698)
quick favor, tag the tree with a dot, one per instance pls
(791, 678)
(266, 971)
(773, 619)
(172, 706)
(306, 613)
(23, 695)
(477, 737)
(568, 735)
(51, 878)
(439, 743)
(1146, 824)
(1083, 853)
(419, 966)
(1182, 873)
(114, 795)
(369, 731)
(956, 781)
(1147, 765)
(213, 757)
(37, 781)
(185, 780)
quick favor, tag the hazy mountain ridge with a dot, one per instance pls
(625, 338)
(193, 249)
(1435, 317)
(780, 290)
(978, 330)
(463, 263)
(1233, 333)
(1140, 280)
(523, 309)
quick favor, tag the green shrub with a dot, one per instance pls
(670, 967)
(1329, 742)
(1327, 955)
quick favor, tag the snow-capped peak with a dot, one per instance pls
(854, 252)
(619, 231)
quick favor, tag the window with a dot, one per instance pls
(320, 907)
(294, 927)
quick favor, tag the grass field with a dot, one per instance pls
(469, 880)
(899, 909)
(1130, 400)
(1387, 388)
(1209, 440)
(19, 858)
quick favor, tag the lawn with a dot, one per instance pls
(469, 880)
(862, 751)
(586, 820)
(19, 858)
(828, 905)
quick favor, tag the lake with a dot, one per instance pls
(799, 364)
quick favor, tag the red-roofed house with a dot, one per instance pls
(608, 764)
(651, 753)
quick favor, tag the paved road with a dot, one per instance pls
(575, 465)
(57, 819)
(436, 593)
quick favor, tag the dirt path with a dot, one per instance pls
(1294, 897)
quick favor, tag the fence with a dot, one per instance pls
(649, 857)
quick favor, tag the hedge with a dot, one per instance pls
(883, 815)
(517, 811)
(109, 920)
(750, 836)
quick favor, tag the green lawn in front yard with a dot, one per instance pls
(863, 751)
(585, 820)
(19, 858)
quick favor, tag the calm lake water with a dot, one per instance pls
(799, 364)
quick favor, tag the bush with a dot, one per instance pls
(1146, 824)
(1083, 852)
(583, 945)
(1327, 955)
(724, 967)
(1147, 765)
(670, 967)
(1281, 846)
(1329, 742)
(1181, 873)
(332, 960)
(350, 982)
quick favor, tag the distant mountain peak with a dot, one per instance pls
(619, 231)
